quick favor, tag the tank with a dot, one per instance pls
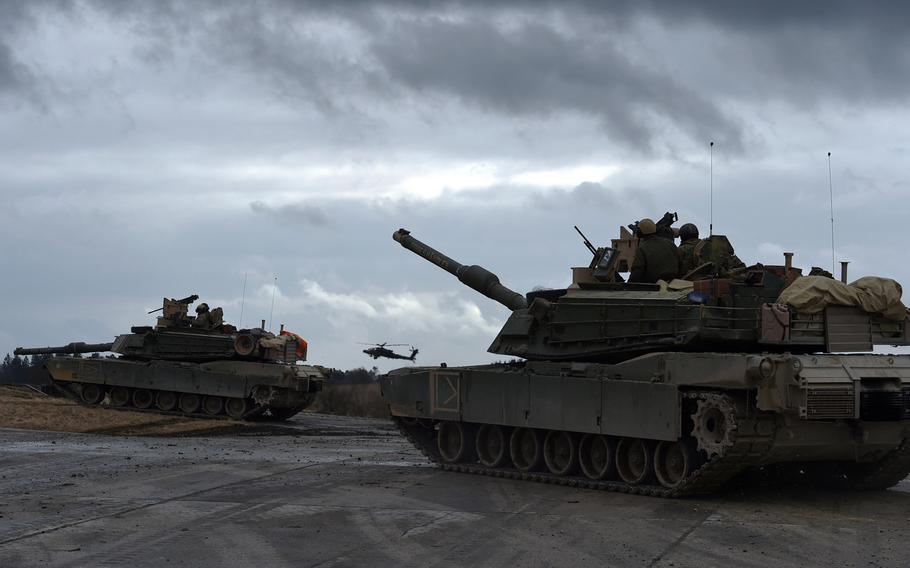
(668, 389)
(195, 366)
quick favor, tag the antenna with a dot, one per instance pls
(272, 310)
(711, 213)
(242, 300)
(831, 192)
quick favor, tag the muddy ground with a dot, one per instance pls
(339, 491)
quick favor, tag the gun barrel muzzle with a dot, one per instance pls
(475, 277)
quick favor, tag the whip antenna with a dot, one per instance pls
(711, 183)
(831, 193)
(272, 310)
(242, 300)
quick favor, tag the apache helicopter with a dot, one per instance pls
(379, 350)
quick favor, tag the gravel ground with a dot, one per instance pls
(340, 491)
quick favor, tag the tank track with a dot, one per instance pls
(753, 440)
(887, 472)
(70, 392)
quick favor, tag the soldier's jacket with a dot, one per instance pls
(656, 259)
(687, 259)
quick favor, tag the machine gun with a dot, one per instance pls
(186, 301)
(664, 225)
(601, 263)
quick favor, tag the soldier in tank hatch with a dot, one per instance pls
(688, 237)
(207, 319)
(656, 257)
(203, 317)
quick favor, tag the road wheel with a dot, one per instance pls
(213, 405)
(597, 457)
(674, 462)
(189, 403)
(492, 445)
(166, 400)
(237, 408)
(560, 452)
(120, 396)
(634, 461)
(455, 442)
(526, 449)
(92, 394)
(143, 398)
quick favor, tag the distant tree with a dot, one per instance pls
(38, 360)
(13, 369)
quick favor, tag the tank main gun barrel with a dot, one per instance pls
(474, 276)
(75, 347)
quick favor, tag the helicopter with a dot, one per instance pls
(379, 350)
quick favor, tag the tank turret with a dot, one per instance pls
(722, 306)
(475, 277)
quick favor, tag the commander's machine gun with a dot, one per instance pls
(609, 262)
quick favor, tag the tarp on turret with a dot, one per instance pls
(812, 294)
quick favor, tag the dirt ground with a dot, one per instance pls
(23, 408)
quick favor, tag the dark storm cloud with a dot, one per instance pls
(13, 75)
(534, 69)
(550, 58)
(16, 81)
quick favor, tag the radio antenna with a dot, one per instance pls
(831, 193)
(272, 310)
(242, 300)
(711, 184)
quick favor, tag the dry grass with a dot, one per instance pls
(352, 400)
(24, 408)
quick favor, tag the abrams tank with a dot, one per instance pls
(196, 366)
(671, 389)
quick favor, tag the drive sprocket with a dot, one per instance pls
(714, 423)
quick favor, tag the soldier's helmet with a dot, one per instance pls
(647, 227)
(688, 231)
(202, 308)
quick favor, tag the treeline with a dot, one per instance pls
(353, 376)
(15, 370)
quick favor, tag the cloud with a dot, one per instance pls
(292, 214)
(406, 312)
(533, 69)
(186, 147)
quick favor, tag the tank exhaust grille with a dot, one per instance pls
(829, 402)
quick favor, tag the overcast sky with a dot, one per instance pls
(152, 149)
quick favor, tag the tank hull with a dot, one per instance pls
(673, 424)
(234, 389)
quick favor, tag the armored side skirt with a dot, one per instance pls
(656, 397)
(229, 379)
